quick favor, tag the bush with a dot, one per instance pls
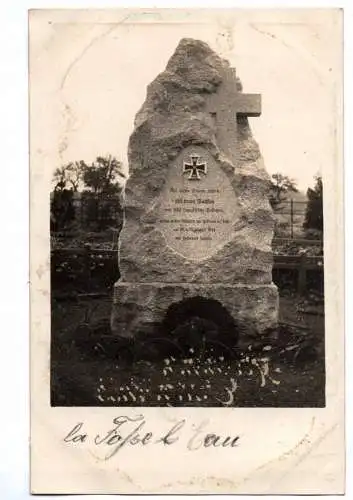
(62, 211)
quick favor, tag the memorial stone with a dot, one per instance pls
(197, 221)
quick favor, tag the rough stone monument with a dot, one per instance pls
(198, 226)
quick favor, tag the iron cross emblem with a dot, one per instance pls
(195, 168)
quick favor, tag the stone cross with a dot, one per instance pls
(225, 105)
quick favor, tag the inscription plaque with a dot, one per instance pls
(197, 208)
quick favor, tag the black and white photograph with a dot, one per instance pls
(189, 163)
(190, 273)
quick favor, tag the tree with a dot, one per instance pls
(69, 174)
(280, 186)
(314, 209)
(62, 211)
(75, 171)
(60, 179)
(104, 175)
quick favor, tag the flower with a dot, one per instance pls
(133, 397)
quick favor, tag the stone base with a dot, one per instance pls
(139, 309)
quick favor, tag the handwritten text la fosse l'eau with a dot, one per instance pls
(132, 431)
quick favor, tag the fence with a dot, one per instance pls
(302, 265)
(89, 271)
(85, 210)
(92, 211)
(289, 217)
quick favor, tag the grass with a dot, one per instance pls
(90, 367)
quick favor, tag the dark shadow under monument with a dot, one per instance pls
(198, 321)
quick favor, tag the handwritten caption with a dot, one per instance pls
(133, 431)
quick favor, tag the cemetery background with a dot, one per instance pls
(89, 368)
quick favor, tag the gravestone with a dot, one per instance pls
(197, 221)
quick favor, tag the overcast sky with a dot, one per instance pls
(94, 75)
